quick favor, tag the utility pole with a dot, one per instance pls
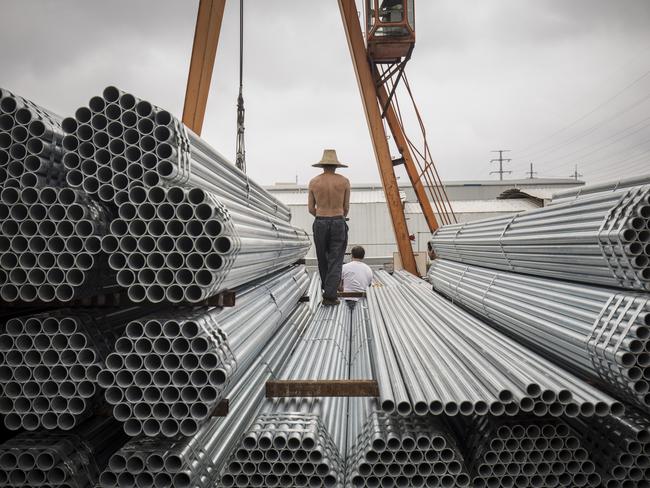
(575, 174)
(501, 160)
(531, 174)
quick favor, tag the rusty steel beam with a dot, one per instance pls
(369, 97)
(409, 163)
(204, 51)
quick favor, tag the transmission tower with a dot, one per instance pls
(575, 175)
(531, 174)
(501, 160)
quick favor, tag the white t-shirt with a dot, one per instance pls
(356, 276)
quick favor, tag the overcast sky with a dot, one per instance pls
(559, 82)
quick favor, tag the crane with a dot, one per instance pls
(379, 59)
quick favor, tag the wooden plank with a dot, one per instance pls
(223, 299)
(222, 409)
(321, 388)
(351, 294)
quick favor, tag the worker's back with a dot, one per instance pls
(356, 276)
(331, 194)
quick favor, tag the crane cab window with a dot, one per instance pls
(390, 18)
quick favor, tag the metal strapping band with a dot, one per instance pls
(596, 331)
(628, 304)
(503, 233)
(487, 290)
(605, 226)
(630, 323)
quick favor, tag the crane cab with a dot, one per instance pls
(390, 29)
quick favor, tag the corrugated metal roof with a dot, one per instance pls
(356, 196)
(527, 183)
(480, 206)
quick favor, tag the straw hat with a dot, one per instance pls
(329, 159)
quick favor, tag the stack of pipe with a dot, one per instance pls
(49, 235)
(50, 362)
(406, 451)
(50, 245)
(564, 196)
(620, 447)
(527, 453)
(599, 333)
(177, 245)
(601, 238)
(169, 370)
(478, 370)
(134, 143)
(301, 441)
(314, 292)
(198, 460)
(30, 144)
(389, 450)
(190, 223)
(59, 459)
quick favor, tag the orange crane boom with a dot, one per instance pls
(204, 51)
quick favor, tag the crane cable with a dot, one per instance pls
(240, 160)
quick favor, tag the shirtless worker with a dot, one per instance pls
(329, 203)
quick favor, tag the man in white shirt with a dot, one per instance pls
(356, 275)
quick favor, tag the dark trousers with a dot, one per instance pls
(330, 240)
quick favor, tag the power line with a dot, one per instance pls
(611, 140)
(501, 160)
(606, 159)
(592, 128)
(607, 166)
(583, 117)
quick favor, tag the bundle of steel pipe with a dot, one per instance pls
(603, 238)
(50, 245)
(169, 370)
(609, 186)
(406, 451)
(389, 450)
(30, 144)
(119, 142)
(478, 369)
(50, 362)
(59, 459)
(219, 230)
(177, 244)
(525, 453)
(599, 333)
(314, 292)
(301, 441)
(198, 461)
(620, 447)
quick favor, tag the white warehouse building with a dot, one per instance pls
(369, 219)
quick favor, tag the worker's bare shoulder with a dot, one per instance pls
(344, 179)
(341, 181)
(314, 181)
